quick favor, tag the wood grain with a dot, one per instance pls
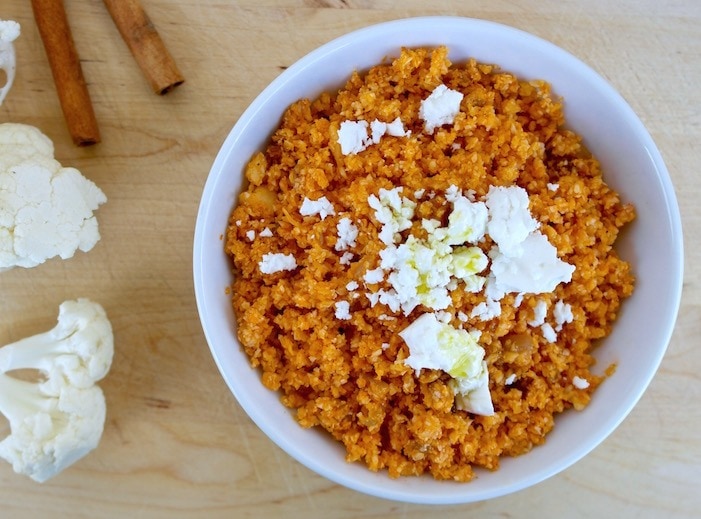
(176, 444)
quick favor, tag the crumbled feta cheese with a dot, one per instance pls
(510, 379)
(436, 345)
(548, 332)
(419, 194)
(539, 313)
(562, 313)
(417, 274)
(266, 233)
(373, 297)
(353, 137)
(275, 262)
(487, 310)
(518, 300)
(523, 260)
(473, 396)
(251, 235)
(396, 129)
(385, 345)
(352, 285)
(423, 271)
(347, 234)
(536, 269)
(378, 129)
(346, 258)
(444, 317)
(374, 276)
(321, 207)
(463, 317)
(393, 211)
(580, 383)
(452, 193)
(238, 223)
(553, 187)
(430, 225)
(510, 221)
(467, 222)
(390, 299)
(342, 310)
(440, 107)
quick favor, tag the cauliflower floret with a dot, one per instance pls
(9, 32)
(57, 421)
(50, 433)
(46, 210)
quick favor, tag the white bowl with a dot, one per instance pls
(631, 164)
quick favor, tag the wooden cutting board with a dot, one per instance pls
(176, 444)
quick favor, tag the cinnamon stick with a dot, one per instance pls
(72, 90)
(145, 44)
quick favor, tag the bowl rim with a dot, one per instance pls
(246, 118)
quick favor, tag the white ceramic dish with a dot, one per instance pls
(632, 165)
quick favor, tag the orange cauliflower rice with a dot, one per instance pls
(423, 262)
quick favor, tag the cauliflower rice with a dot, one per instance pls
(300, 294)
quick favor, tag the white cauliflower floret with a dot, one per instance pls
(49, 433)
(57, 421)
(46, 210)
(9, 32)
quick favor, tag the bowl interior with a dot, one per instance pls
(631, 164)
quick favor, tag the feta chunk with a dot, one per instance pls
(374, 276)
(548, 332)
(523, 261)
(276, 262)
(353, 137)
(436, 345)
(539, 313)
(467, 222)
(393, 211)
(347, 234)
(396, 129)
(510, 221)
(536, 269)
(487, 310)
(342, 310)
(440, 108)
(562, 313)
(321, 207)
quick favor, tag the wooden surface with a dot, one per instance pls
(176, 444)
